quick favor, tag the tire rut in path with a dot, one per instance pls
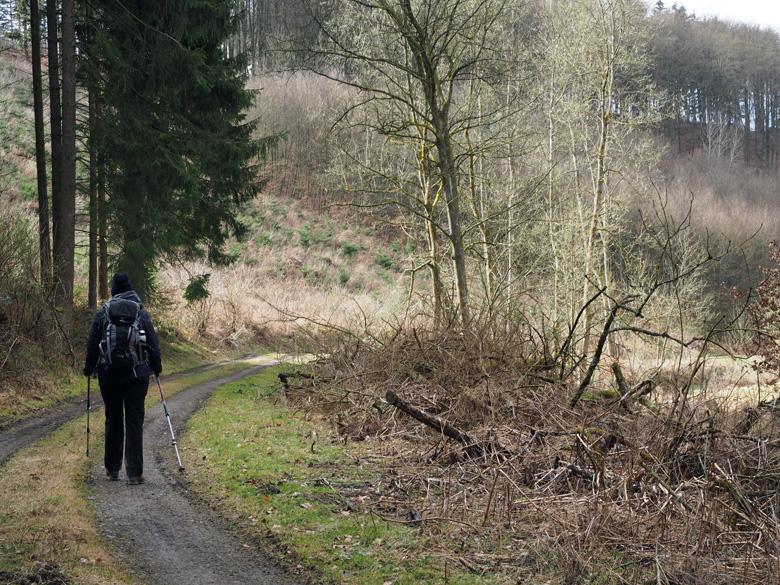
(160, 533)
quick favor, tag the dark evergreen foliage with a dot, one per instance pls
(179, 153)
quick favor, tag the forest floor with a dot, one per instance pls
(613, 490)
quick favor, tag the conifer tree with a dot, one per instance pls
(179, 153)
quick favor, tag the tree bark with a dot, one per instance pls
(433, 266)
(420, 42)
(599, 191)
(65, 228)
(452, 199)
(55, 117)
(93, 206)
(477, 200)
(40, 147)
(102, 228)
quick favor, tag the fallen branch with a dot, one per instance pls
(596, 357)
(473, 448)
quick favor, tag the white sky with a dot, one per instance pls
(764, 13)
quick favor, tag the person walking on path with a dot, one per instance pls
(123, 349)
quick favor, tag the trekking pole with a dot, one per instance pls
(89, 396)
(170, 426)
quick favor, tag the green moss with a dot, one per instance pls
(601, 394)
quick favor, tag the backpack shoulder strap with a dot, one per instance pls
(103, 312)
(138, 315)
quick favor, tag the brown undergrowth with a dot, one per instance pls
(668, 487)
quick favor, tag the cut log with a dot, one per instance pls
(284, 378)
(473, 448)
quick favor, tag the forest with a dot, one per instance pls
(488, 290)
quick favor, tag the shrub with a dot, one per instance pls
(27, 188)
(348, 249)
(383, 259)
(304, 237)
(197, 296)
(24, 310)
(323, 236)
(264, 239)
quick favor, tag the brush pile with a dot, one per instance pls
(634, 484)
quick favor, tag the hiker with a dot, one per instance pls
(123, 349)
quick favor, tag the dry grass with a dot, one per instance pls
(45, 515)
(303, 270)
(732, 381)
(729, 197)
(671, 489)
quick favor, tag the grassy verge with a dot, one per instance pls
(45, 517)
(256, 466)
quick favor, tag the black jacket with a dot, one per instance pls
(96, 334)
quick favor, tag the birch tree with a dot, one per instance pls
(413, 61)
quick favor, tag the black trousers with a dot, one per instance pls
(124, 405)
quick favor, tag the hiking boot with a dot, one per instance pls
(112, 475)
(138, 480)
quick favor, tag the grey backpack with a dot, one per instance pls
(123, 346)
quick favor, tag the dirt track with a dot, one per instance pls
(157, 530)
(19, 434)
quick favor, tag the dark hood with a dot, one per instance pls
(130, 295)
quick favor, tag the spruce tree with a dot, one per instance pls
(179, 153)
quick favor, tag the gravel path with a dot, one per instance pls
(157, 529)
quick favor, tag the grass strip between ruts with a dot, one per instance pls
(252, 461)
(45, 516)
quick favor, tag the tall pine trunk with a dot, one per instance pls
(93, 205)
(55, 115)
(40, 147)
(65, 228)
(102, 226)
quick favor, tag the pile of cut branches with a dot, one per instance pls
(640, 481)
